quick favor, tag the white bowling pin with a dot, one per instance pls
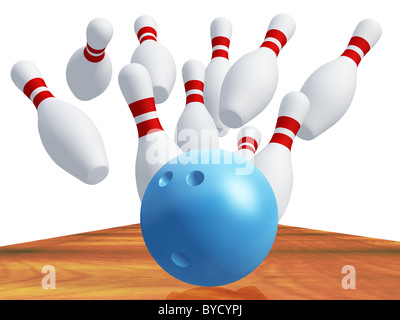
(274, 160)
(195, 128)
(249, 138)
(68, 135)
(155, 57)
(250, 83)
(89, 70)
(331, 88)
(221, 31)
(155, 148)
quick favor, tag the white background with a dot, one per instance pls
(346, 180)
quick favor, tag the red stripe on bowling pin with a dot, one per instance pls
(94, 55)
(220, 47)
(269, 42)
(194, 91)
(282, 136)
(248, 143)
(145, 114)
(39, 97)
(248, 138)
(356, 43)
(147, 33)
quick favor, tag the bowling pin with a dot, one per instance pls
(155, 148)
(195, 128)
(331, 88)
(89, 70)
(250, 83)
(70, 138)
(274, 160)
(221, 31)
(249, 138)
(155, 57)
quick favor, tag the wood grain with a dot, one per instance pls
(115, 264)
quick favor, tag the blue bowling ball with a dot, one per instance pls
(209, 217)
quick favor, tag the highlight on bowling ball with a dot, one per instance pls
(209, 217)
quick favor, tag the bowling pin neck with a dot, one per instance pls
(194, 91)
(356, 49)
(365, 36)
(136, 86)
(145, 114)
(285, 131)
(274, 40)
(147, 33)
(36, 90)
(93, 55)
(220, 47)
(146, 28)
(249, 138)
(248, 143)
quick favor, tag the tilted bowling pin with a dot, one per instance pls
(250, 83)
(89, 70)
(70, 138)
(155, 148)
(249, 138)
(274, 160)
(155, 57)
(331, 88)
(221, 31)
(195, 128)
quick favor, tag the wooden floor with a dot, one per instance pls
(115, 264)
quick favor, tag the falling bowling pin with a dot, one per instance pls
(274, 160)
(155, 57)
(195, 128)
(155, 148)
(221, 31)
(249, 138)
(70, 138)
(331, 88)
(89, 70)
(250, 83)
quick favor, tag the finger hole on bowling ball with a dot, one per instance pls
(180, 259)
(195, 178)
(165, 179)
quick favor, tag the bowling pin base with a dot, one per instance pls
(97, 175)
(306, 134)
(231, 119)
(222, 132)
(161, 94)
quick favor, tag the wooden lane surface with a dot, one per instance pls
(115, 264)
